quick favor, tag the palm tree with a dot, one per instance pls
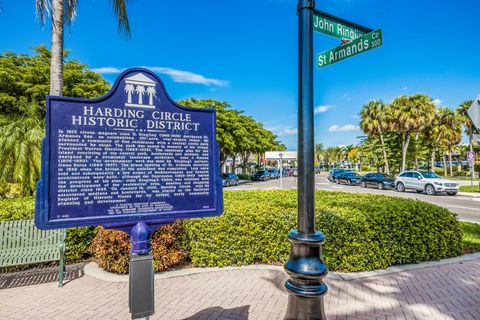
(20, 141)
(453, 135)
(65, 11)
(141, 91)
(374, 120)
(466, 121)
(412, 114)
(129, 89)
(318, 152)
(151, 92)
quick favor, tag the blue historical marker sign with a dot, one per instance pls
(133, 155)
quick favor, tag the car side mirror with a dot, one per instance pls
(419, 178)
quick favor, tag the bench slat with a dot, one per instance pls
(22, 243)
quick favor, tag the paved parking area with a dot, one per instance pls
(443, 292)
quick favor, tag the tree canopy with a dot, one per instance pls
(24, 84)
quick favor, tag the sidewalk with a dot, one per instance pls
(441, 292)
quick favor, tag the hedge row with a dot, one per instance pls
(363, 232)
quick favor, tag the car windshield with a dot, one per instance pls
(430, 175)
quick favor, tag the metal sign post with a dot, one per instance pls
(305, 266)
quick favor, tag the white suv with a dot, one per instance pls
(426, 181)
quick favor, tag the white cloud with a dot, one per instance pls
(355, 116)
(107, 70)
(320, 109)
(345, 128)
(288, 132)
(437, 102)
(179, 76)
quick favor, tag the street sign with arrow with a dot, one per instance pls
(474, 113)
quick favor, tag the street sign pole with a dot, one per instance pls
(281, 171)
(305, 266)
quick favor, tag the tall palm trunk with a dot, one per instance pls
(450, 161)
(445, 164)
(432, 159)
(406, 142)
(56, 64)
(416, 149)
(385, 158)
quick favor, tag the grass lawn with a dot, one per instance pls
(476, 188)
(471, 235)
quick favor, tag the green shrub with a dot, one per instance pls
(78, 240)
(244, 177)
(112, 249)
(363, 232)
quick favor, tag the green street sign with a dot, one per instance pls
(329, 25)
(365, 43)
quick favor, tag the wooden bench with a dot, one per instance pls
(22, 243)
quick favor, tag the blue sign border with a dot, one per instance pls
(43, 185)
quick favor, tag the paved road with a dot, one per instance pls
(448, 292)
(467, 208)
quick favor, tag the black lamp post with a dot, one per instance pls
(305, 265)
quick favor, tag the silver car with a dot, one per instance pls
(426, 181)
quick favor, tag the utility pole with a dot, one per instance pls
(305, 267)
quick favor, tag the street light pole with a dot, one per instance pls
(305, 266)
(281, 170)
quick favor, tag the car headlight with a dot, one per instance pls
(438, 183)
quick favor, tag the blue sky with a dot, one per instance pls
(245, 52)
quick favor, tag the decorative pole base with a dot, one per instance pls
(306, 270)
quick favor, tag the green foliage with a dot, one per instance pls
(24, 84)
(237, 133)
(471, 235)
(363, 232)
(476, 188)
(244, 177)
(78, 239)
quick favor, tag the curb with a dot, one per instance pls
(92, 270)
(469, 194)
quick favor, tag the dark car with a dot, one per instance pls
(274, 173)
(349, 177)
(335, 171)
(229, 179)
(261, 175)
(378, 180)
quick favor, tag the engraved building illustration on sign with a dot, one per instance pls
(140, 91)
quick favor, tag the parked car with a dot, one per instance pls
(288, 172)
(378, 180)
(332, 173)
(261, 175)
(318, 170)
(348, 177)
(229, 179)
(295, 172)
(427, 181)
(274, 173)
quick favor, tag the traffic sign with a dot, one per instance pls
(333, 26)
(474, 113)
(365, 43)
(471, 156)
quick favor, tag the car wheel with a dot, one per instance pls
(337, 181)
(429, 189)
(400, 187)
(363, 184)
(349, 182)
(380, 186)
(451, 193)
(238, 182)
